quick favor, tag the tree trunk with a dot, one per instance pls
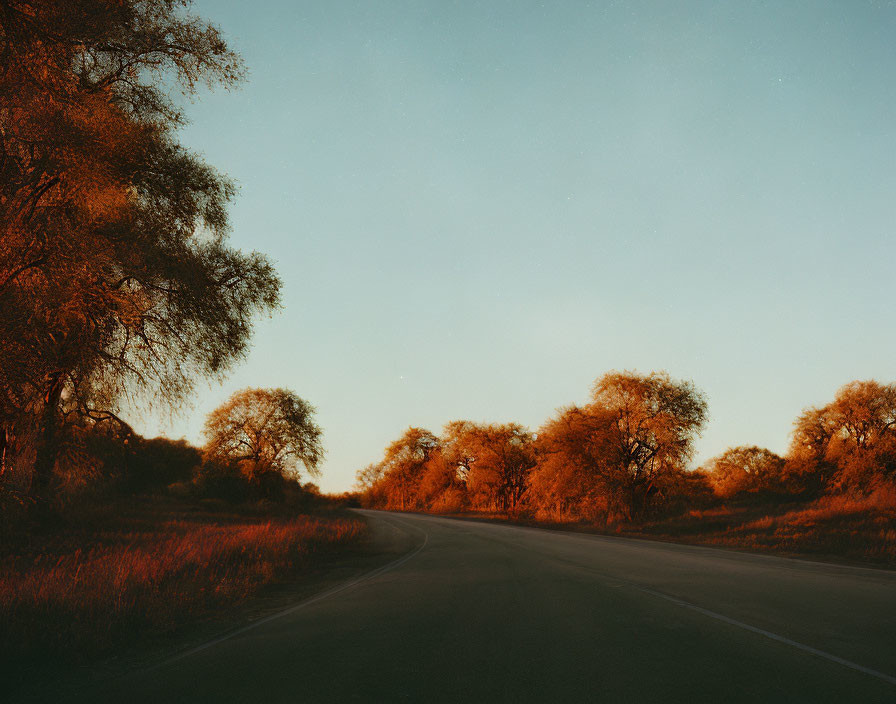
(5, 448)
(47, 444)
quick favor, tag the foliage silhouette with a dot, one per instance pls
(115, 273)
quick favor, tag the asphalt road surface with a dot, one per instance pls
(480, 612)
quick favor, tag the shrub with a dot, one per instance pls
(153, 464)
(220, 480)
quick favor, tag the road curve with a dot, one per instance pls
(481, 612)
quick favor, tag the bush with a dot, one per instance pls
(235, 483)
(220, 480)
(156, 463)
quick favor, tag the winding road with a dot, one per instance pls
(470, 611)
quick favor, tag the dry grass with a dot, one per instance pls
(861, 529)
(119, 579)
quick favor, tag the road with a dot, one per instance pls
(482, 612)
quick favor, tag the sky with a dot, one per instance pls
(478, 208)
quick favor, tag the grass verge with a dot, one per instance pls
(861, 530)
(854, 530)
(113, 577)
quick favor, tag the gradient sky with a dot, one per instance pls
(478, 208)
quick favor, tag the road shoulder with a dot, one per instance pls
(385, 543)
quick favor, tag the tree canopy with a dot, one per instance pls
(614, 456)
(574, 454)
(403, 465)
(742, 471)
(265, 430)
(494, 460)
(625, 456)
(850, 442)
(625, 445)
(116, 277)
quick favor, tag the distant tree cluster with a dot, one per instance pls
(625, 456)
(262, 446)
(116, 277)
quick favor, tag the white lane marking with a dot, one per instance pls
(616, 582)
(301, 605)
(784, 562)
(768, 634)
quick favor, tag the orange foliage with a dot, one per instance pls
(621, 461)
(494, 461)
(116, 277)
(624, 450)
(265, 431)
(399, 474)
(849, 444)
(741, 471)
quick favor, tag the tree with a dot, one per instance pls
(654, 422)
(368, 477)
(573, 462)
(807, 460)
(397, 477)
(265, 431)
(851, 442)
(440, 488)
(116, 278)
(494, 460)
(623, 447)
(742, 471)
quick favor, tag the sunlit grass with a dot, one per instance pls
(859, 528)
(141, 577)
(853, 527)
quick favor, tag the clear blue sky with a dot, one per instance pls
(479, 207)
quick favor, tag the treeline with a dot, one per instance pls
(625, 457)
(259, 446)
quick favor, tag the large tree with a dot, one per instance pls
(265, 430)
(625, 445)
(116, 277)
(849, 443)
(654, 422)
